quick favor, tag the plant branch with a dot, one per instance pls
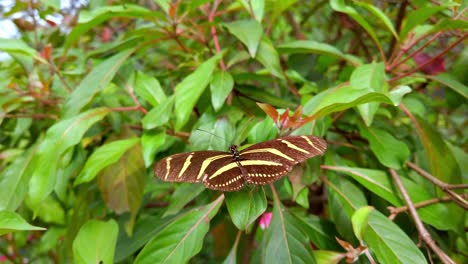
(442, 53)
(394, 211)
(457, 198)
(426, 237)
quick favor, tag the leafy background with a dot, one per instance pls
(93, 94)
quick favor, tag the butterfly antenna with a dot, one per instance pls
(214, 135)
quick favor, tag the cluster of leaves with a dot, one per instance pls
(112, 89)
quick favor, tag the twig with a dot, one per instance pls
(442, 53)
(399, 20)
(394, 211)
(426, 237)
(442, 185)
(214, 34)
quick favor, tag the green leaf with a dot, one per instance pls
(372, 77)
(145, 229)
(448, 24)
(321, 232)
(441, 160)
(285, 241)
(104, 156)
(381, 184)
(59, 138)
(90, 19)
(390, 151)
(269, 57)
(183, 195)
(159, 115)
(49, 210)
(95, 242)
(190, 89)
(149, 88)
(181, 239)
(221, 86)
(19, 47)
(328, 257)
(263, 131)
(452, 83)
(11, 221)
(94, 82)
(380, 15)
(340, 6)
(261, 95)
(417, 17)
(309, 46)
(151, 142)
(255, 6)
(389, 243)
(278, 7)
(246, 206)
(249, 32)
(122, 183)
(339, 99)
(14, 180)
(360, 220)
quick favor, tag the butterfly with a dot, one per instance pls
(258, 164)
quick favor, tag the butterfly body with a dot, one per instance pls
(258, 164)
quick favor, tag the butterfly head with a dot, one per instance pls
(234, 152)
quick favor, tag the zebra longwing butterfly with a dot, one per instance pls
(258, 164)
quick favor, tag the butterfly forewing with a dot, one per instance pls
(258, 164)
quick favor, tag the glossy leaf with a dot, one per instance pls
(151, 143)
(452, 83)
(380, 15)
(181, 239)
(380, 183)
(159, 115)
(95, 242)
(94, 82)
(221, 86)
(49, 210)
(104, 156)
(328, 257)
(88, 20)
(417, 17)
(59, 138)
(149, 88)
(249, 32)
(14, 181)
(285, 240)
(360, 221)
(335, 100)
(17, 46)
(183, 195)
(122, 183)
(145, 229)
(390, 151)
(441, 161)
(246, 206)
(11, 221)
(269, 57)
(190, 89)
(310, 46)
(321, 232)
(389, 243)
(372, 77)
(341, 6)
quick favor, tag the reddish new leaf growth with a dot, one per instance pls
(46, 52)
(285, 121)
(269, 110)
(434, 67)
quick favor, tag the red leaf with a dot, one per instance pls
(270, 111)
(434, 67)
(284, 119)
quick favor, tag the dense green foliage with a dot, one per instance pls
(90, 103)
